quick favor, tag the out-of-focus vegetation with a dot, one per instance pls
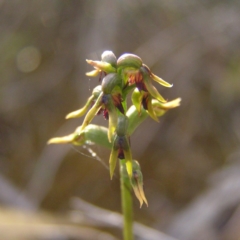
(190, 160)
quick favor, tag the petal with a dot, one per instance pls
(157, 79)
(113, 115)
(112, 124)
(150, 109)
(103, 66)
(150, 88)
(137, 183)
(127, 155)
(92, 112)
(153, 91)
(137, 97)
(171, 104)
(61, 140)
(160, 81)
(93, 73)
(138, 187)
(128, 165)
(76, 138)
(160, 108)
(113, 158)
(82, 111)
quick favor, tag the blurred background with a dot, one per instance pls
(190, 160)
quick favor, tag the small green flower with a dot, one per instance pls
(121, 147)
(108, 103)
(127, 66)
(134, 72)
(137, 183)
(91, 133)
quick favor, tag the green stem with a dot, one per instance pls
(126, 199)
(135, 119)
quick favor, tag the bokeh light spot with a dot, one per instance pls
(28, 59)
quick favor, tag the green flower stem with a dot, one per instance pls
(126, 200)
(135, 119)
(98, 135)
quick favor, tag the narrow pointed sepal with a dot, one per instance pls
(128, 166)
(82, 111)
(171, 104)
(153, 91)
(137, 98)
(77, 113)
(103, 66)
(148, 84)
(155, 77)
(161, 108)
(137, 183)
(150, 110)
(61, 140)
(113, 115)
(93, 73)
(127, 156)
(160, 81)
(113, 158)
(76, 138)
(92, 112)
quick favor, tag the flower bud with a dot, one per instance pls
(137, 183)
(122, 125)
(129, 60)
(109, 57)
(110, 81)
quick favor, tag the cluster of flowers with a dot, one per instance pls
(118, 78)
